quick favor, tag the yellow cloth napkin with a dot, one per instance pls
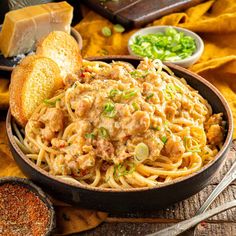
(214, 21)
(4, 94)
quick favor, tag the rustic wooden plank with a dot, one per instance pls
(84, 10)
(226, 229)
(116, 6)
(144, 12)
(100, 8)
(231, 158)
(182, 210)
(125, 229)
(138, 12)
(130, 229)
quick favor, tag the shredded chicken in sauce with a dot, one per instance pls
(116, 121)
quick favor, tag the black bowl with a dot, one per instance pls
(141, 198)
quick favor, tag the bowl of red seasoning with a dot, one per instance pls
(24, 209)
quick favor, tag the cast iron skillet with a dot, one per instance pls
(134, 199)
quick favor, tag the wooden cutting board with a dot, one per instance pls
(137, 13)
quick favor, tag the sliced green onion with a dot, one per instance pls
(191, 144)
(109, 106)
(119, 28)
(106, 31)
(89, 136)
(141, 152)
(164, 139)
(166, 123)
(103, 132)
(74, 86)
(135, 106)
(51, 103)
(170, 45)
(109, 110)
(127, 94)
(157, 128)
(194, 150)
(114, 92)
(169, 92)
(149, 96)
(138, 74)
(122, 170)
(135, 73)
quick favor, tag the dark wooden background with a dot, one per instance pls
(137, 13)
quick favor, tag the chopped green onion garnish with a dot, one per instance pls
(191, 144)
(119, 28)
(170, 45)
(51, 103)
(135, 73)
(109, 106)
(109, 110)
(157, 128)
(138, 74)
(141, 152)
(164, 139)
(122, 170)
(169, 92)
(129, 94)
(194, 150)
(149, 96)
(106, 31)
(135, 106)
(103, 132)
(89, 136)
(74, 86)
(114, 92)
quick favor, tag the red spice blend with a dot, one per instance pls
(22, 212)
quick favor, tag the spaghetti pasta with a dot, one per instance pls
(116, 126)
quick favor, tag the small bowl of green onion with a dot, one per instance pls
(167, 43)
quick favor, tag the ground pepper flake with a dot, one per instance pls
(22, 212)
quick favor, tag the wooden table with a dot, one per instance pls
(142, 223)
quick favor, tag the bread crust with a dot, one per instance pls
(64, 50)
(38, 76)
(23, 76)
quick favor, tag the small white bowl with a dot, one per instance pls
(184, 62)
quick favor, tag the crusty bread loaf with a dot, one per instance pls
(64, 50)
(35, 79)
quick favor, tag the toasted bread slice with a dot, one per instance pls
(64, 50)
(35, 79)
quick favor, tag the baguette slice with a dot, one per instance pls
(35, 79)
(64, 50)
